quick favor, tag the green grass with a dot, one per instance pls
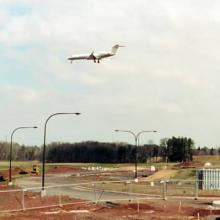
(185, 174)
(4, 165)
(173, 188)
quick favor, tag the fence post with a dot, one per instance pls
(196, 189)
(94, 192)
(130, 191)
(22, 199)
(59, 189)
(164, 190)
(138, 205)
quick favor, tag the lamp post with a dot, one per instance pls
(43, 192)
(10, 156)
(136, 138)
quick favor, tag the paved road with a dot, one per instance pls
(78, 191)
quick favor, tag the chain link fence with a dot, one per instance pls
(102, 191)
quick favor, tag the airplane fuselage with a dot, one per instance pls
(96, 57)
(103, 55)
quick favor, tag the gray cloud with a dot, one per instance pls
(167, 78)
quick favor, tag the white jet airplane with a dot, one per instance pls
(96, 57)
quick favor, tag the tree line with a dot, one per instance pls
(97, 152)
(19, 152)
(175, 149)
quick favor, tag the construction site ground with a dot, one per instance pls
(153, 208)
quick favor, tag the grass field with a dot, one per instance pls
(214, 159)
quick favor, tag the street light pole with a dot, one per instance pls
(136, 138)
(10, 155)
(44, 146)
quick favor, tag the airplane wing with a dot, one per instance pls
(82, 57)
(79, 57)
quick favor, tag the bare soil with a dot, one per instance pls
(161, 175)
(118, 211)
(153, 209)
(67, 169)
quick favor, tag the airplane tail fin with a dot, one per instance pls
(92, 55)
(115, 48)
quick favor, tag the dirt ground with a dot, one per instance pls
(156, 210)
(148, 209)
(14, 172)
(64, 169)
(143, 210)
(162, 174)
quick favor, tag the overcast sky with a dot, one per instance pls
(166, 78)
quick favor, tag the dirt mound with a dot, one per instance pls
(57, 170)
(162, 174)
